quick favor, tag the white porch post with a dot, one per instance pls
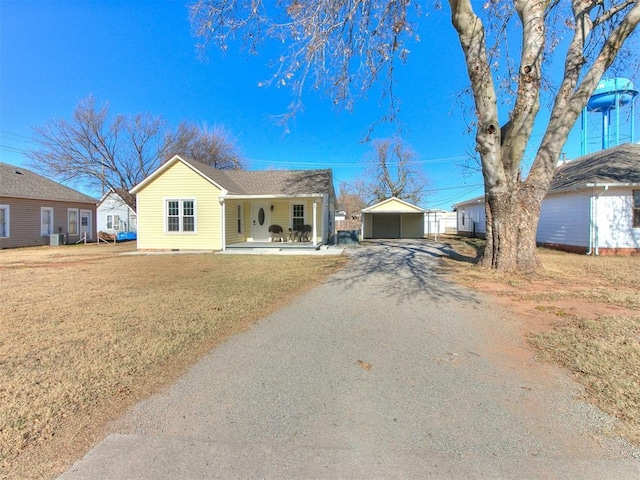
(315, 225)
(223, 216)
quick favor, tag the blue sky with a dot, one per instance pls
(140, 56)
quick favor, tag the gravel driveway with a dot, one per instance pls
(384, 371)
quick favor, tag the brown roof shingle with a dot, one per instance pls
(620, 164)
(268, 182)
(22, 183)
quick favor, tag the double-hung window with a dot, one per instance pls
(297, 217)
(109, 222)
(72, 220)
(4, 221)
(181, 215)
(636, 209)
(46, 221)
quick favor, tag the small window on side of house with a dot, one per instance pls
(239, 218)
(46, 221)
(109, 222)
(72, 220)
(4, 221)
(636, 209)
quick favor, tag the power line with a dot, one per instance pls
(353, 164)
(15, 137)
(9, 148)
(457, 197)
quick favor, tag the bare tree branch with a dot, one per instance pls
(392, 172)
(101, 153)
(343, 47)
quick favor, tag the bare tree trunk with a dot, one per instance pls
(512, 219)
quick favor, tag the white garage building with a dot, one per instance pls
(393, 218)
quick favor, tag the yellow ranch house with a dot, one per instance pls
(188, 205)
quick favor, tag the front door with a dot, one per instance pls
(260, 217)
(85, 224)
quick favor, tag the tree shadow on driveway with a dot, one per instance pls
(402, 269)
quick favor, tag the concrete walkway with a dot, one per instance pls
(384, 371)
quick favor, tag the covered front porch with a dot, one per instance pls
(282, 246)
(286, 222)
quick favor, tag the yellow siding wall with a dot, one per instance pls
(179, 182)
(232, 235)
(308, 214)
(394, 206)
(281, 215)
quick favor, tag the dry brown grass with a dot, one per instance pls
(86, 332)
(582, 312)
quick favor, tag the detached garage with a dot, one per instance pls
(393, 218)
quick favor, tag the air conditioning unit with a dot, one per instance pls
(56, 239)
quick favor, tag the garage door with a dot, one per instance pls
(386, 226)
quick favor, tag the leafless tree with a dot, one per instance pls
(214, 147)
(351, 202)
(102, 152)
(392, 172)
(341, 46)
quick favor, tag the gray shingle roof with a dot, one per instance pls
(268, 182)
(22, 183)
(619, 164)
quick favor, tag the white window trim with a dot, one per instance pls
(304, 212)
(240, 219)
(109, 222)
(69, 210)
(180, 203)
(7, 221)
(634, 207)
(51, 217)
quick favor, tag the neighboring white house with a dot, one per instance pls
(471, 220)
(437, 222)
(115, 215)
(593, 205)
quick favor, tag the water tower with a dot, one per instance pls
(609, 96)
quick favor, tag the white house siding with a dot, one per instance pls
(440, 222)
(564, 220)
(113, 205)
(613, 210)
(472, 218)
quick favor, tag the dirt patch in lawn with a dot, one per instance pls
(86, 332)
(582, 312)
